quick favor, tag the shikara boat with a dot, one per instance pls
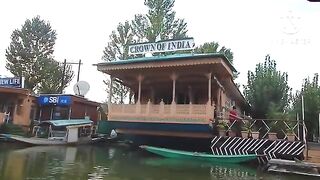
(170, 153)
(59, 132)
(294, 167)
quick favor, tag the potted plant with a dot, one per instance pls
(290, 134)
(254, 132)
(272, 134)
(222, 127)
(246, 129)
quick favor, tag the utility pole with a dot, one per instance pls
(64, 69)
(78, 77)
(62, 80)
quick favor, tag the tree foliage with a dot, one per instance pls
(119, 91)
(119, 40)
(159, 21)
(214, 47)
(117, 49)
(267, 87)
(53, 85)
(311, 94)
(30, 53)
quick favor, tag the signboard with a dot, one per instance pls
(162, 46)
(15, 82)
(55, 100)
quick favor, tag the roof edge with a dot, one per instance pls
(170, 57)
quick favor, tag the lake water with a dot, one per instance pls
(113, 162)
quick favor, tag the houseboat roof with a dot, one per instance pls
(14, 90)
(67, 122)
(169, 58)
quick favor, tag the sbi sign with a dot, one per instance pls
(54, 100)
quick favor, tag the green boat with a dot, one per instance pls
(171, 153)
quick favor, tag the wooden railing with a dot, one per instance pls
(194, 113)
(281, 128)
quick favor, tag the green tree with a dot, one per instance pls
(117, 49)
(30, 53)
(119, 91)
(267, 87)
(159, 21)
(311, 94)
(119, 40)
(53, 85)
(214, 47)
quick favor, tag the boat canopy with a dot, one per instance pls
(67, 122)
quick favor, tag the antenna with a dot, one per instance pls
(81, 88)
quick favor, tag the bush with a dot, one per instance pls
(222, 125)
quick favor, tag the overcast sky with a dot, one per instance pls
(288, 30)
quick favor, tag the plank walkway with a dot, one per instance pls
(313, 156)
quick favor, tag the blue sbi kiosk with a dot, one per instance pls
(54, 106)
(66, 106)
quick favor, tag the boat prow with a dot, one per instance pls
(171, 153)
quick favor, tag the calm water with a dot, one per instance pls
(112, 162)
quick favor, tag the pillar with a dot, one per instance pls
(140, 78)
(209, 88)
(173, 103)
(110, 89)
(190, 95)
(174, 78)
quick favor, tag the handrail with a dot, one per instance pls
(264, 126)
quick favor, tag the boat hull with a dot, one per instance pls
(193, 137)
(46, 142)
(170, 153)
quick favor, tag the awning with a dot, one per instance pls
(67, 122)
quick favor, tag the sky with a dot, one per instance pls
(288, 30)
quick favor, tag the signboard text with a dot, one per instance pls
(15, 82)
(162, 46)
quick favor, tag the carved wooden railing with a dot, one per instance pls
(197, 113)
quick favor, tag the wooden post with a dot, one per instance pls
(173, 103)
(110, 89)
(140, 78)
(161, 110)
(208, 108)
(209, 88)
(138, 105)
(148, 107)
(190, 94)
(174, 78)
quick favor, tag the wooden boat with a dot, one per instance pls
(59, 132)
(170, 153)
(294, 167)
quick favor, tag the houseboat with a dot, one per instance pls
(17, 106)
(175, 98)
(22, 107)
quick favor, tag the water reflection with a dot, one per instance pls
(110, 162)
